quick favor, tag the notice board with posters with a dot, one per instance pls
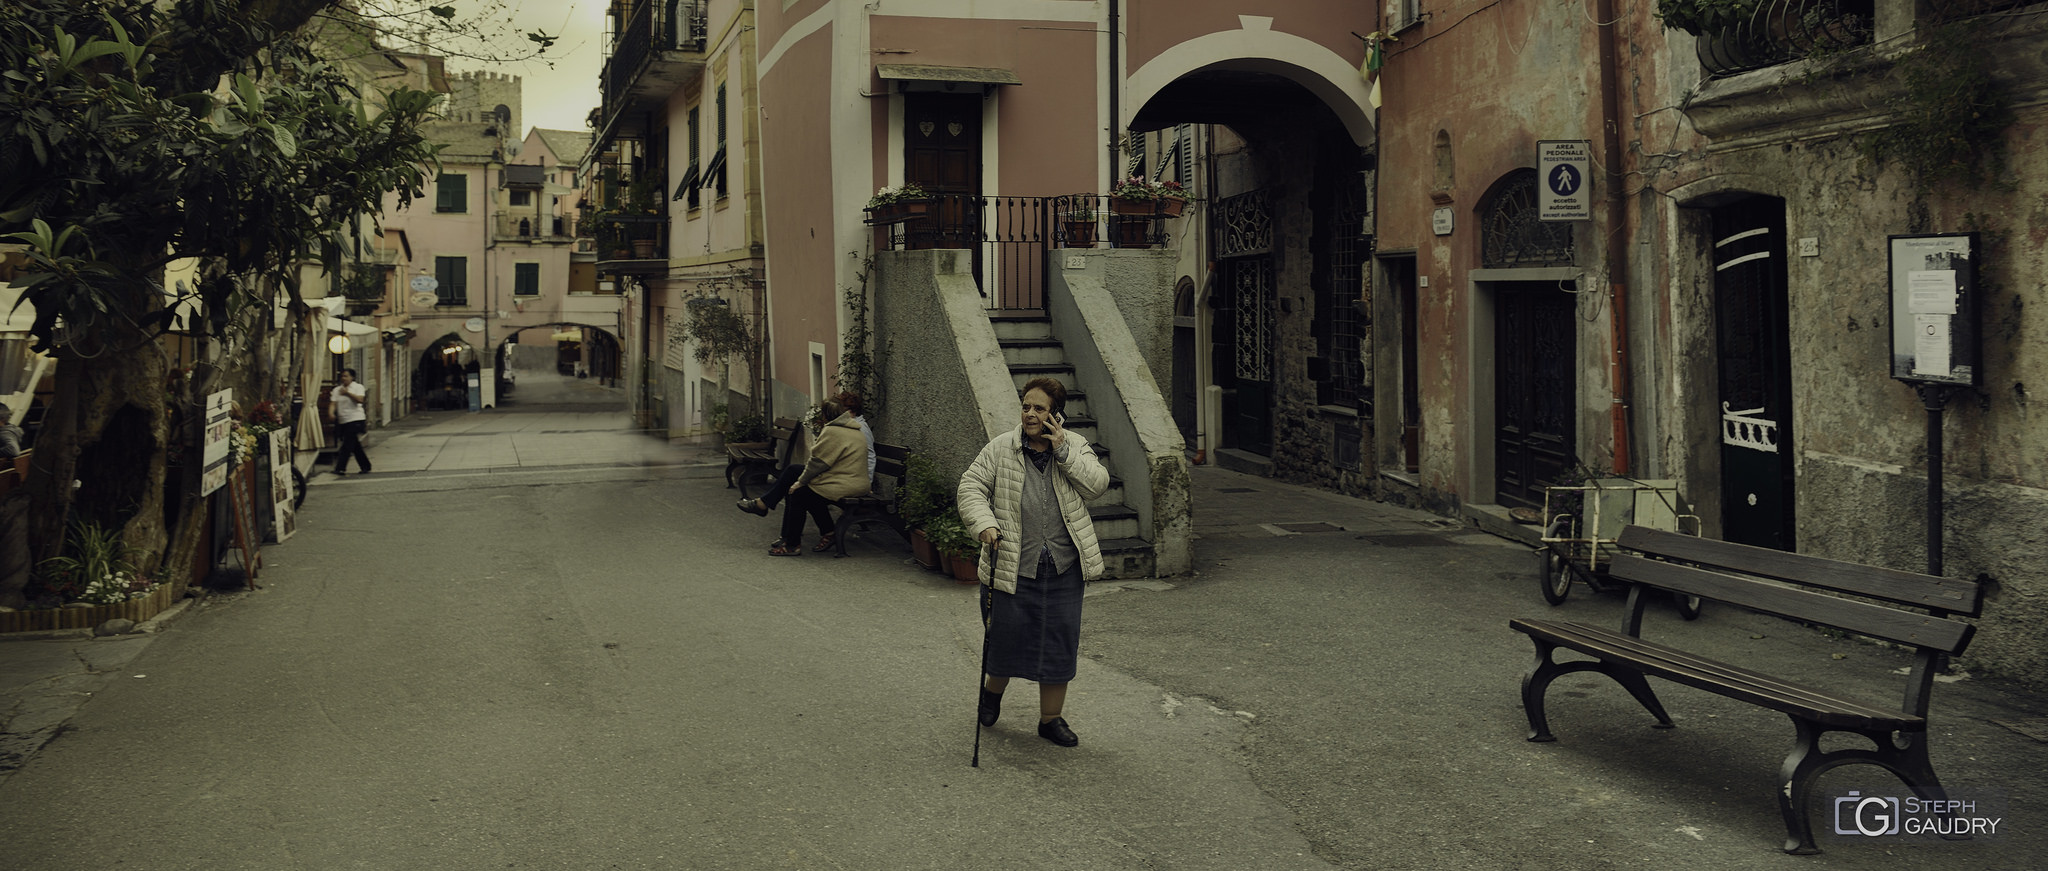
(1934, 308)
(215, 453)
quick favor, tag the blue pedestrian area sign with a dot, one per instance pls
(1564, 174)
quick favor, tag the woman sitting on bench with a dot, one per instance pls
(834, 471)
(787, 475)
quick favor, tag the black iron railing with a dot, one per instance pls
(1010, 236)
(621, 238)
(1781, 31)
(653, 26)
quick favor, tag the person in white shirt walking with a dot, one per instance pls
(350, 422)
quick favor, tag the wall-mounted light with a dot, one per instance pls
(338, 344)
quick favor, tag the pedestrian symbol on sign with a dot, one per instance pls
(1564, 181)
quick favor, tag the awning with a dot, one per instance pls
(925, 77)
(349, 327)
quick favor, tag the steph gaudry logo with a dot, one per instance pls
(1963, 815)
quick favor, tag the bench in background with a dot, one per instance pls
(1909, 609)
(877, 507)
(758, 463)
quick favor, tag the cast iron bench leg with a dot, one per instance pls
(1537, 682)
(1806, 763)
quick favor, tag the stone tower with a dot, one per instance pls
(476, 95)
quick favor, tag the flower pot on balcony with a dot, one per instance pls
(1171, 207)
(643, 249)
(1079, 234)
(1133, 233)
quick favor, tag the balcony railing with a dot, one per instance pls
(1781, 31)
(1010, 236)
(552, 228)
(653, 28)
(630, 244)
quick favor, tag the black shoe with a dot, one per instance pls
(365, 471)
(753, 506)
(991, 707)
(340, 472)
(1056, 731)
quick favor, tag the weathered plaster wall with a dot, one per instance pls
(947, 388)
(1858, 440)
(1097, 327)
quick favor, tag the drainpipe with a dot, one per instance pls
(1116, 88)
(1617, 215)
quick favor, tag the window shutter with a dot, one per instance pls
(451, 193)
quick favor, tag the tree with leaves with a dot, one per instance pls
(134, 133)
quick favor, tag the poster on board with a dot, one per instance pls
(283, 515)
(215, 454)
(1934, 308)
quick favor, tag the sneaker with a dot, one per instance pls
(1056, 731)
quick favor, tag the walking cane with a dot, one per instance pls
(980, 678)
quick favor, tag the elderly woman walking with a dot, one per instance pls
(1027, 494)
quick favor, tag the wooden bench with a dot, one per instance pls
(1909, 609)
(876, 507)
(760, 462)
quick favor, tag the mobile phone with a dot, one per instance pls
(1059, 418)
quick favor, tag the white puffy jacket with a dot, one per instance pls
(993, 487)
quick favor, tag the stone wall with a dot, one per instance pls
(1858, 437)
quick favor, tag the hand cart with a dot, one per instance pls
(1581, 523)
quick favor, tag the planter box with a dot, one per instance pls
(1123, 206)
(137, 610)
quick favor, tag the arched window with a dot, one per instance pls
(1511, 235)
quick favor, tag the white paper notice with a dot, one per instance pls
(1933, 291)
(1930, 345)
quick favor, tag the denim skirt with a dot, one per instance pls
(1035, 633)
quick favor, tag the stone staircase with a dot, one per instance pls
(1032, 351)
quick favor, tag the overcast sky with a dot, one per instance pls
(557, 98)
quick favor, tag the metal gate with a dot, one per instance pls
(1752, 323)
(1535, 391)
(1244, 325)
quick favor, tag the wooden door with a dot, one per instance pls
(1752, 324)
(942, 154)
(1535, 391)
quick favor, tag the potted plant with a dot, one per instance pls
(926, 497)
(1080, 227)
(956, 546)
(1139, 196)
(890, 205)
(1701, 17)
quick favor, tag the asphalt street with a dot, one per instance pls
(536, 638)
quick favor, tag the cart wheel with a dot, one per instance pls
(1557, 576)
(1688, 606)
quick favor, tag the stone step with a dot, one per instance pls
(1022, 373)
(1029, 351)
(1028, 327)
(1126, 558)
(1114, 521)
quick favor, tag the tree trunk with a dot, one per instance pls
(106, 429)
